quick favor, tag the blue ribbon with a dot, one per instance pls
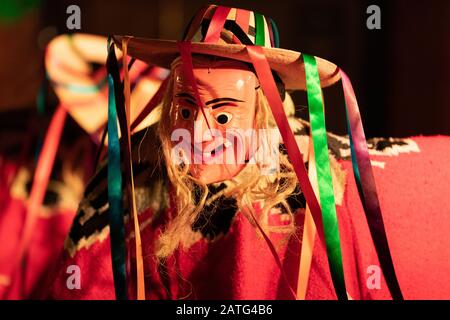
(116, 223)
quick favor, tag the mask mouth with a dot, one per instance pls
(215, 152)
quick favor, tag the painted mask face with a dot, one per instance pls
(215, 138)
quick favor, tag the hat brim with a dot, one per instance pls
(287, 63)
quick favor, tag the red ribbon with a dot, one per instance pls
(216, 24)
(196, 22)
(274, 253)
(40, 182)
(242, 19)
(267, 82)
(188, 68)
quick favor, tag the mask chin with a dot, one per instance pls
(214, 173)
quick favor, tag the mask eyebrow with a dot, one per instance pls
(223, 104)
(222, 99)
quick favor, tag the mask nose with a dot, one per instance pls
(201, 131)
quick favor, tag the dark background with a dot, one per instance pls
(401, 73)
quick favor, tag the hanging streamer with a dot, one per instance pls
(188, 68)
(324, 180)
(309, 232)
(41, 102)
(116, 224)
(365, 181)
(276, 37)
(125, 145)
(137, 231)
(275, 255)
(40, 183)
(112, 66)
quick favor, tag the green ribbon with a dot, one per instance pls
(325, 182)
(260, 39)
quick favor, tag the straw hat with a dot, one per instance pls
(241, 28)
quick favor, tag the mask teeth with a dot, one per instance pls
(227, 144)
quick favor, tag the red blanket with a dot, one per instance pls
(412, 179)
(49, 233)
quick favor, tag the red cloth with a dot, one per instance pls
(415, 199)
(45, 247)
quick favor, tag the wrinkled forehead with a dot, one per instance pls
(214, 72)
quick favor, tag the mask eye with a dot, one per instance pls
(223, 117)
(185, 113)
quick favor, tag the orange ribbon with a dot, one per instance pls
(137, 232)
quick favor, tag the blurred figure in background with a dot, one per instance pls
(43, 184)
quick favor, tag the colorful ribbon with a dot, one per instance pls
(242, 19)
(276, 37)
(40, 182)
(365, 181)
(216, 24)
(196, 21)
(324, 179)
(309, 232)
(122, 96)
(41, 102)
(260, 39)
(116, 224)
(137, 231)
(274, 253)
(188, 70)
